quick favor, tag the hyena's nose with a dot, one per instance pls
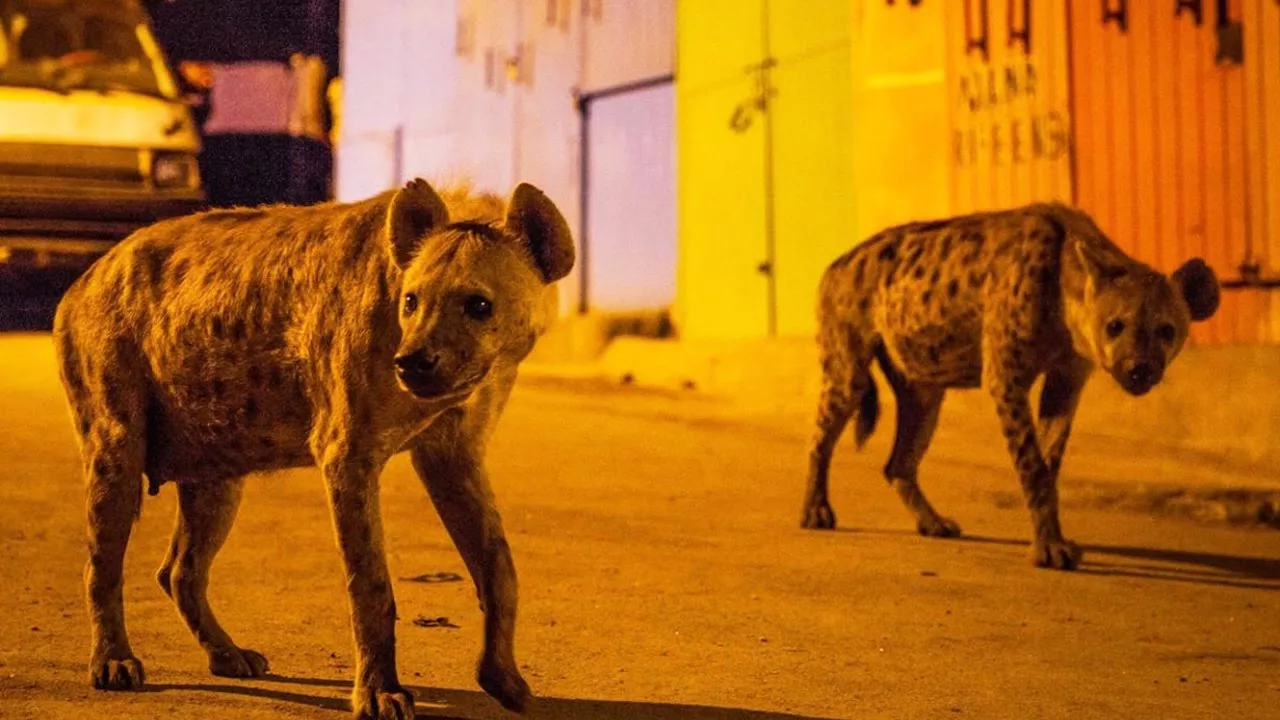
(417, 363)
(1144, 374)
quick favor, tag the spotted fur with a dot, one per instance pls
(231, 342)
(995, 300)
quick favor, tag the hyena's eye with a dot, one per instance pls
(1114, 328)
(1166, 332)
(410, 303)
(477, 307)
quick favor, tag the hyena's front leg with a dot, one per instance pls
(1039, 481)
(351, 477)
(455, 478)
(1058, 402)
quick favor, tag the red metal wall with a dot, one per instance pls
(1169, 156)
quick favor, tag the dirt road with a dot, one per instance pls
(663, 576)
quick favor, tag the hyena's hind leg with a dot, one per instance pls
(918, 410)
(206, 511)
(106, 394)
(847, 388)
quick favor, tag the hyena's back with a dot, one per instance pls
(214, 316)
(920, 290)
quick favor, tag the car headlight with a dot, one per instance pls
(174, 170)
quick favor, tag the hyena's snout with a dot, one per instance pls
(428, 373)
(419, 372)
(1139, 377)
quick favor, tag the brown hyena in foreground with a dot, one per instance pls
(209, 347)
(993, 300)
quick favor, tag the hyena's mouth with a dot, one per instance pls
(434, 387)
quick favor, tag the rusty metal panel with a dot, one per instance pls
(1008, 84)
(1165, 131)
(1261, 25)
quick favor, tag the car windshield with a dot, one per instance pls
(66, 45)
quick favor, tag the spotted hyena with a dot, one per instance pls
(205, 348)
(993, 300)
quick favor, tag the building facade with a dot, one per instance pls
(712, 156)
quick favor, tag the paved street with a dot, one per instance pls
(663, 576)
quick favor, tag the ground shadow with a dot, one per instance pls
(449, 704)
(1257, 568)
(1254, 573)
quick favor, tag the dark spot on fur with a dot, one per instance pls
(180, 271)
(913, 254)
(216, 327)
(325, 341)
(219, 387)
(864, 303)
(858, 268)
(251, 409)
(937, 273)
(102, 467)
(255, 375)
(114, 398)
(953, 288)
(926, 297)
(355, 249)
(888, 252)
(945, 250)
(919, 272)
(84, 428)
(156, 260)
(933, 354)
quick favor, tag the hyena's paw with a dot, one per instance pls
(818, 516)
(504, 684)
(1058, 554)
(938, 526)
(372, 704)
(116, 673)
(237, 663)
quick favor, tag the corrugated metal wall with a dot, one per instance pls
(1009, 98)
(1172, 156)
(1124, 108)
(1261, 25)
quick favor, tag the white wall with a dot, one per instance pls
(426, 92)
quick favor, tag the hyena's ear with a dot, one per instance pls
(415, 211)
(1097, 266)
(533, 218)
(1199, 287)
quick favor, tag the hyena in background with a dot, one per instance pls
(993, 300)
(230, 342)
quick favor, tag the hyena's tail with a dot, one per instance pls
(869, 403)
(868, 413)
